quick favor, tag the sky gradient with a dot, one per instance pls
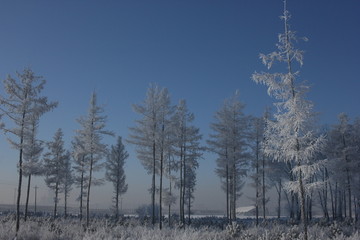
(201, 50)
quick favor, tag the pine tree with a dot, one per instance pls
(149, 137)
(21, 105)
(290, 137)
(230, 142)
(67, 180)
(91, 134)
(115, 172)
(186, 147)
(80, 171)
(32, 165)
(55, 166)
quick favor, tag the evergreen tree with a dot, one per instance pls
(186, 147)
(67, 181)
(32, 165)
(290, 137)
(22, 103)
(80, 171)
(115, 171)
(230, 143)
(91, 134)
(55, 166)
(149, 137)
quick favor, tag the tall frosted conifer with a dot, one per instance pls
(186, 142)
(151, 137)
(115, 171)
(91, 134)
(289, 137)
(230, 142)
(55, 166)
(80, 170)
(67, 181)
(32, 165)
(23, 102)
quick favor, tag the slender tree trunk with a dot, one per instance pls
(20, 172)
(279, 199)
(234, 192)
(65, 202)
(257, 182)
(303, 215)
(349, 193)
(332, 202)
(88, 192)
(181, 183)
(56, 199)
(184, 187)
(257, 194)
(27, 197)
(161, 182)
(227, 187)
(345, 207)
(189, 206)
(117, 199)
(81, 194)
(263, 188)
(153, 184)
(169, 210)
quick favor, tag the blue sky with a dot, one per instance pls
(201, 51)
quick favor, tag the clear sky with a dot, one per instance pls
(201, 50)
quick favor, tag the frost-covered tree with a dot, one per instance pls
(343, 164)
(22, 103)
(32, 165)
(290, 137)
(230, 142)
(115, 171)
(55, 166)
(80, 171)
(191, 164)
(90, 135)
(67, 180)
(259, 166)
(187, 149)
(150, 136)
(164, 141)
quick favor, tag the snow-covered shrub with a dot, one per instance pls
(233, 229)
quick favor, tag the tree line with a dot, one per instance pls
(283, 150)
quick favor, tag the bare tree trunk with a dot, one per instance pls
(189, 207)
(184, 188)
(303, 214)
(234, 192)
(20, 173)
(81, 194)
(65, 202)
(279, 199)
(345, 207)
(181, 184)
(263, 188)
(117, 200)
(56, 199)
(227, 193)
(27, 197)
(349, 192)
(332, 202)
(169, 210)
(161, 182)
(153, 184)
(88, 192)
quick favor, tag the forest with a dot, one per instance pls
(284, 150)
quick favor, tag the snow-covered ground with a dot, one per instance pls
(204, 228)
